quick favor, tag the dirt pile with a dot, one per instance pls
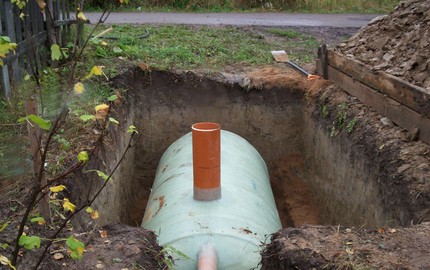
(324, 247)
(398, 43)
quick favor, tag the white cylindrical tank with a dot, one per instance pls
(235, 226)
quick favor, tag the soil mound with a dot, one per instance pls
(398, 43)
(324, 247)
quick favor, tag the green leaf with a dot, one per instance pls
(55, 52)
(83, 156)
(42, 123)
(3, 226)
(22, 119)
(37, 219)
(113, 120)
(76, 248)
(113, 98)
(87, 117)
(4, 246)
(89, 210)
(132, 129)
(101, 174)
(29, 242)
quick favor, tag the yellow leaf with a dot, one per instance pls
(97, 70)
(104, 44)
(57, 188)
(68, 206)
(102, 107)
(89, 210)
(81, 16)
(79, 88)
(94, 214)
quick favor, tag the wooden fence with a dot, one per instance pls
(33, 31)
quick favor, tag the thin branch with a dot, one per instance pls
(36, 190)
(85, 205)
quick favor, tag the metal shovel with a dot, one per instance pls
(282, 57)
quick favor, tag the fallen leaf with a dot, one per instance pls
(58, 256)
(392, 230)
(94, 215)
(102, 111)
(103, 233)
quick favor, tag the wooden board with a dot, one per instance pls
(414, 97)
(395, 111)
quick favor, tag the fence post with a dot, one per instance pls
(35, 137)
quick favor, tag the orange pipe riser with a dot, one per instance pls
(206, 161)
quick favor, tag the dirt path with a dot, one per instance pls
(240, 19)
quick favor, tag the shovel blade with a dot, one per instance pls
(280, 56)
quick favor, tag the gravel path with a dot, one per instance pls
(240, 19)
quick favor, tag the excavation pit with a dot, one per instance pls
(317, 177)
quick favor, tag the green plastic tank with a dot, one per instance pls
(234, 226)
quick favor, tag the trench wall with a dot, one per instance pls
(315, 178)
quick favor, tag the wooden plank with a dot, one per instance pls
(68, 28)
(414, 97)
(396, 112)
(10, 32)
(5, 82)
(4, 75)
(19, 38)
(58, 16)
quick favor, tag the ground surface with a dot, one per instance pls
(238, 19)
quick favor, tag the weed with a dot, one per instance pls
(351, 125)
(325, 110)
(341, 115)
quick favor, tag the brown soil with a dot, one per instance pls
(398, 43)
(112, 247)
(325, 247)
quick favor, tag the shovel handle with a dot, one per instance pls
(301, 70)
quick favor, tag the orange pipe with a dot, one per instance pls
(206, 161)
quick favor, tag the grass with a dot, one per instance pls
(311, 6)
(183, 47)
